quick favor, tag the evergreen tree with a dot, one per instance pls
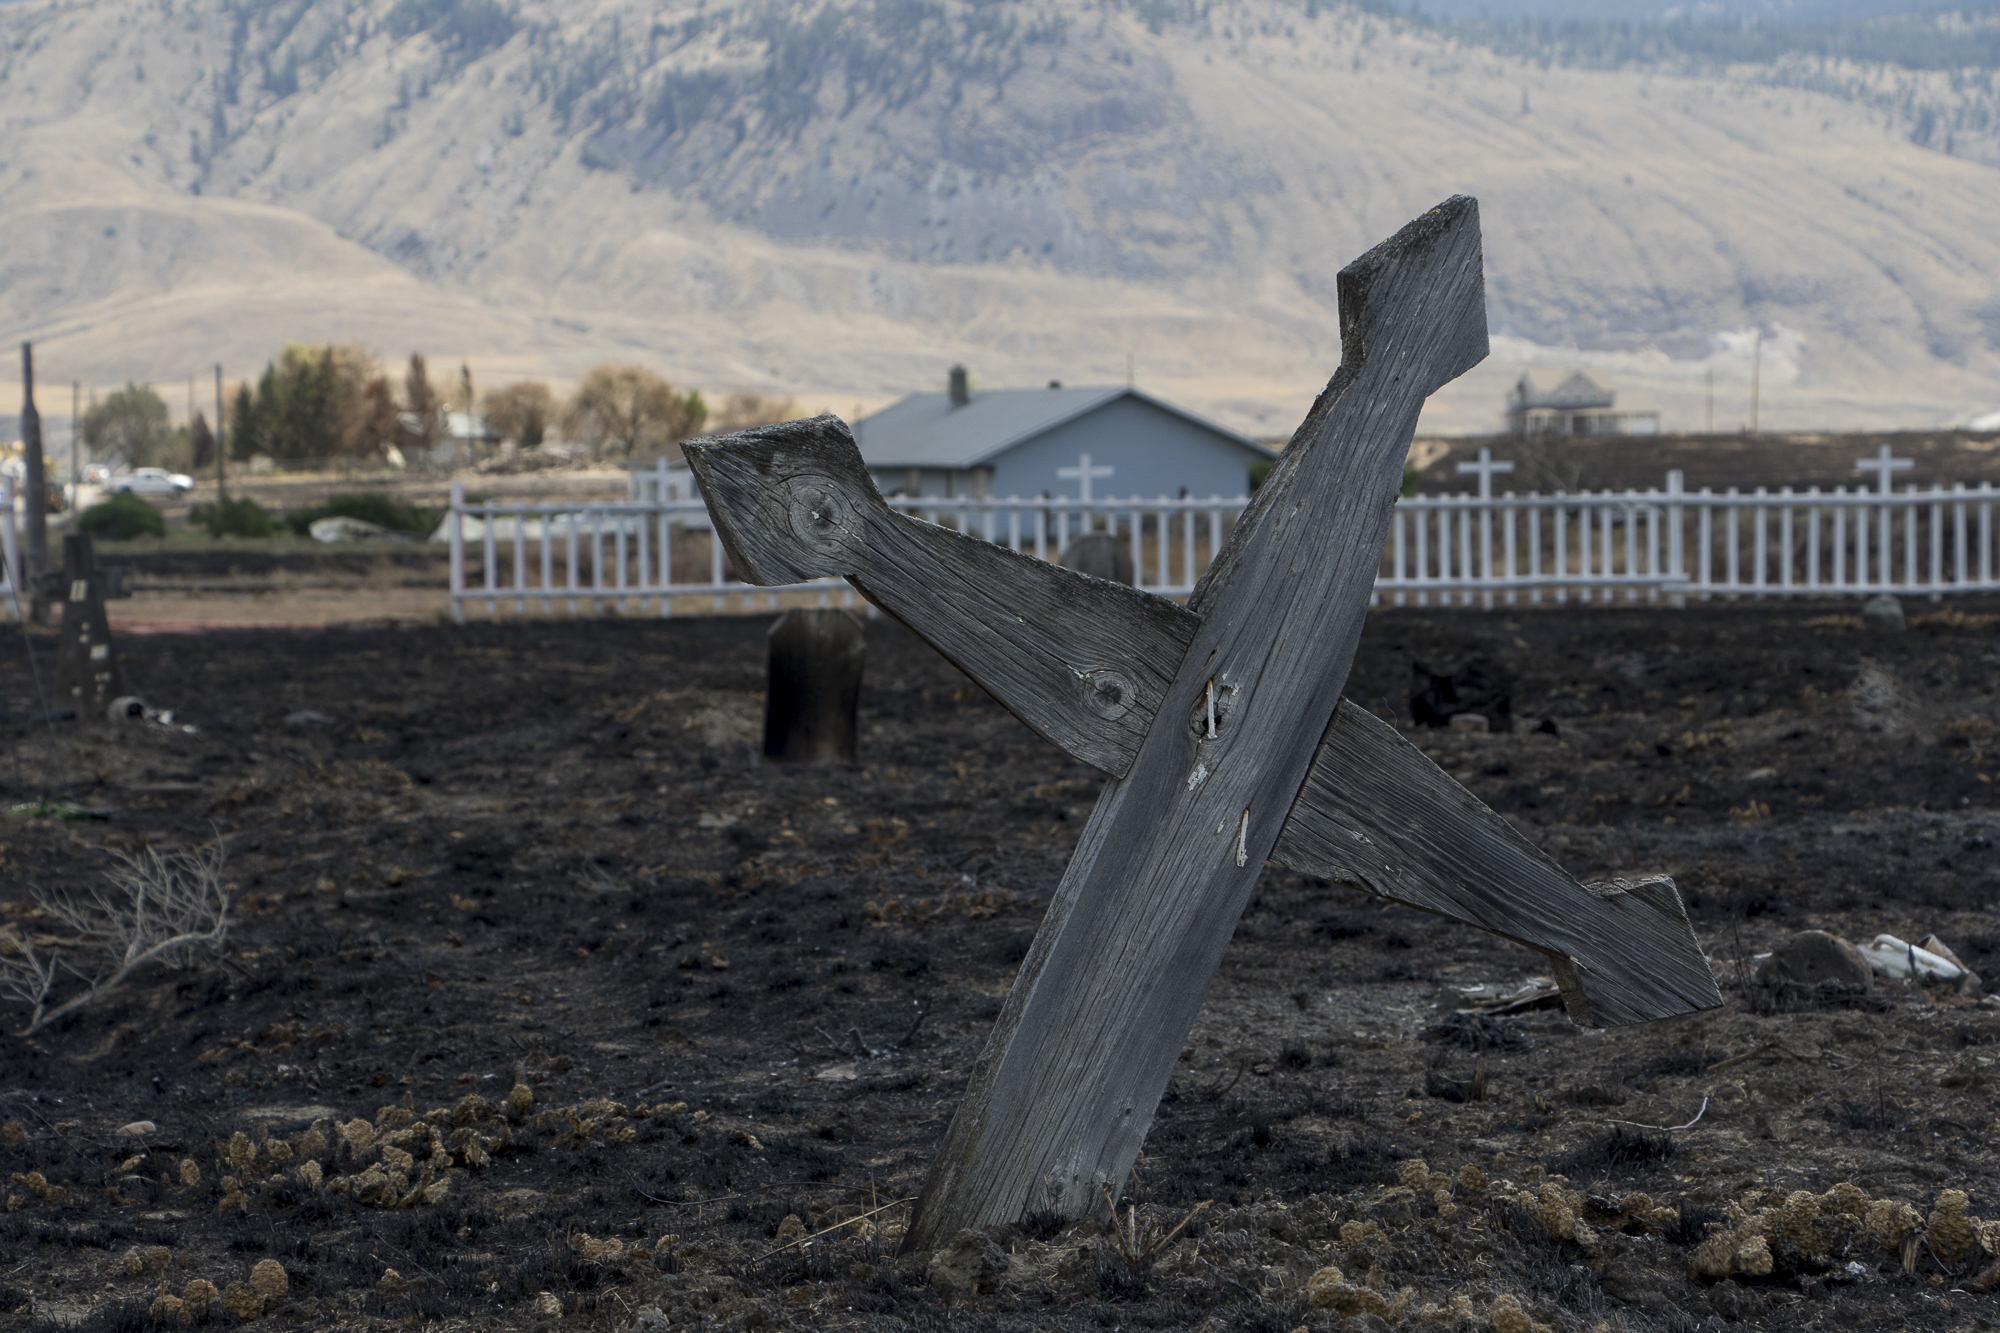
(422, 421)
(246, 432)
(201, 443)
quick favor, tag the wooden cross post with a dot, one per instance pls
(1225, 738)
(1083, 474)
(1487, 470)
(1884, 465)
(88, 677)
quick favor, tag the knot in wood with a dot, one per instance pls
(1109, 694)
(820, 515)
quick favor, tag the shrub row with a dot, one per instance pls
(125, 516)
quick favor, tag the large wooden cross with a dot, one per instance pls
(1223, 732)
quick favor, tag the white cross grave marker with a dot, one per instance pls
(1224, 740)
(1487, 469)
(1082, 473)
(1883, 465)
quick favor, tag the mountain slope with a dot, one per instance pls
(841, 201)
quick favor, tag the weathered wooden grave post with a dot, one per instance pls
(1225, 738)
(87, 673)
(34, 492)
(814, 688)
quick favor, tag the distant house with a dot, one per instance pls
(1579, 405)
(1054, 442)
(470, 429)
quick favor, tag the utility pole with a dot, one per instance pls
(221, 475)
(75, 445)
(1756, 375)
(465, 376)
(35, 494)
(1708, 414)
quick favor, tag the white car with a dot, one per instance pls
(150, 481)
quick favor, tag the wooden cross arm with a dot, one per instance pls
(1080, 661)
(1377, 814)
(1083, 662)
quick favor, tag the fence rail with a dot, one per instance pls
(659, 556)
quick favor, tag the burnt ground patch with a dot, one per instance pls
(743, 999)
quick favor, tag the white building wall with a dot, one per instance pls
(1151, 453)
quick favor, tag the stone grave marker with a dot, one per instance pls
(1221, 728)
(1100, 555)
(87, 674)
(814, 688)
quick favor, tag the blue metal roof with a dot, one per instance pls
(925, 430)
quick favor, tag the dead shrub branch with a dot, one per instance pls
(170, 907)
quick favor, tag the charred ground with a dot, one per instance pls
(546, 854)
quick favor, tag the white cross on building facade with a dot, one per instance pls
(1883, 465)
(1082, 473)
(1487, 470)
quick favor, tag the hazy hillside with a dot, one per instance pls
(838, 201)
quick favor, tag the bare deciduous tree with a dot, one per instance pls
(623, 409)
(373, 420)
(131, 423)
(151, 906)
(521, 412)
(741, 411)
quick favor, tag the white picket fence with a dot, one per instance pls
(12, 594)
(659, 557)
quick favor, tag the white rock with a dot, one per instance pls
(340, 528)
(1906, 962)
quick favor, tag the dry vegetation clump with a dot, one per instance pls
(1799, 1230)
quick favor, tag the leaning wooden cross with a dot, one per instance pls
(1222, 729)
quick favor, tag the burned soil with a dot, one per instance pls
(548, 1000)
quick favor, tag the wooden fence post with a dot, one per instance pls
(815, 687)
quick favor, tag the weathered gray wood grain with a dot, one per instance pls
(1375, 813)
(1439, 848)
(1059, 1102)
(1083, 662)
(1061, 1098)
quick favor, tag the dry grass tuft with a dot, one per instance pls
(1328, 1289)
(242, 1302)
(269, 1278)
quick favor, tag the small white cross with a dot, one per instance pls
(1082, 474)
(1882, 465)
(1486, 468)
